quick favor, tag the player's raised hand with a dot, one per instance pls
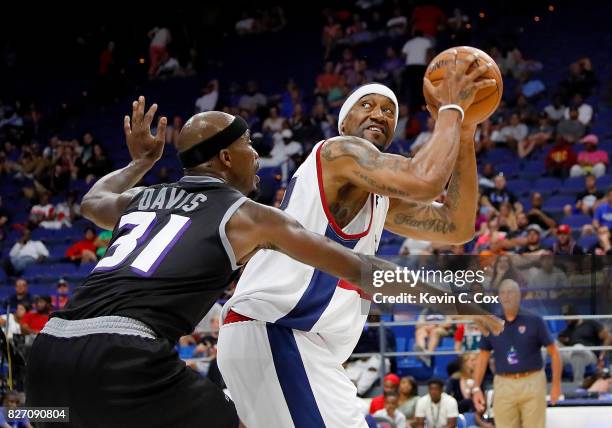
(142, 144)
(458, 86)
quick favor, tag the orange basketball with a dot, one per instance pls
(486, 99)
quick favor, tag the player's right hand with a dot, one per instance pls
(458, 86)
(143, 145)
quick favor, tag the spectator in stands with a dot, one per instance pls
(423, 136)
(600, 382)
(10, 323)
(585, 111)
(397, 24)
(62, 294)
(43, 214)
(328, 79)
(34, 321)
(173, 130)
(503, 269)
(12, 401)
(274, 122)
(556, 110)
(102, 242)
(24, 253)
(532, 245)
(590, 160)
(437, 409)
(391, 69)
(252, 99)
(604, 245)
(526, 111)
(560, 158)
(87, 147)
(430, 329)
(415, 51)
(603, 212)
(507, 218)
(209, 98)
(169, 66)
(408, 398)
(547, 276)
(390, 386)
(391, 411)
(364, 372)
(97, 166)
(565, 244)
(495, 197)
(407, 126)
(332, 32)
(537, 138)
(579, 334)
(21, 295)
(512, 133)
(459, 386)
(536, 215)
(489, 235)
(467, 337)
(69, 210)
(586, 200)
(160, 39)
(571, 129)
(486, 176)
(522, 222)
(520, 382)
(456, 26)
(428, 19)
(5, 215)
(581, 80)
(83, 251)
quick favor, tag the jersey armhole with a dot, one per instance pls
(224, 240)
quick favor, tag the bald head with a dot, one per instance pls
(201, 127)
(218, 144)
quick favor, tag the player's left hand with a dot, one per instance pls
(555, 393)
(143, 145)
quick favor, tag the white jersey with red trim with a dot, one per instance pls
(278, 289)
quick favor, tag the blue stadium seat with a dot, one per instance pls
(548, 242)
(547, 185)
(588, 243)
(604, 182)
(555, 204)
(576, 221)
(532, 169)
(519, 186)
(572, 185)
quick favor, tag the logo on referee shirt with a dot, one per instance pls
(522, 329)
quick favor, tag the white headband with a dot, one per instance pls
(372, 88)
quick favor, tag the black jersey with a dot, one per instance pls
(168, 260)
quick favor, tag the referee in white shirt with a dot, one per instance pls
(437, 408)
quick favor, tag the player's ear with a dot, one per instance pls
(225, 158)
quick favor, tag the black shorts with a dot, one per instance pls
(113, 380)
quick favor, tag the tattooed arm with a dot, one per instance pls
(421, 178)
(451, 222)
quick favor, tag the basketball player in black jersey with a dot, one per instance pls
(110, 354)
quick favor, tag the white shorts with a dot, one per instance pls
(282, 378)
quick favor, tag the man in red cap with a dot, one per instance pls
(590, 160)
(565, 244)
(390, 386)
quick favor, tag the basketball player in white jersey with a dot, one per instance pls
(289, 327)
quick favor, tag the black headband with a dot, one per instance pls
(206, 149)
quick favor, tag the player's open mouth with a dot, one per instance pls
(375, 128)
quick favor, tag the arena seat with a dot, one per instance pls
(576, 221)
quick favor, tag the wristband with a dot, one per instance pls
(453, 107)
(476, 389)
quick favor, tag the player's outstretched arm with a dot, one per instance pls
(452, 222)
(422, 178)
(254, 227)
(107, 199)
